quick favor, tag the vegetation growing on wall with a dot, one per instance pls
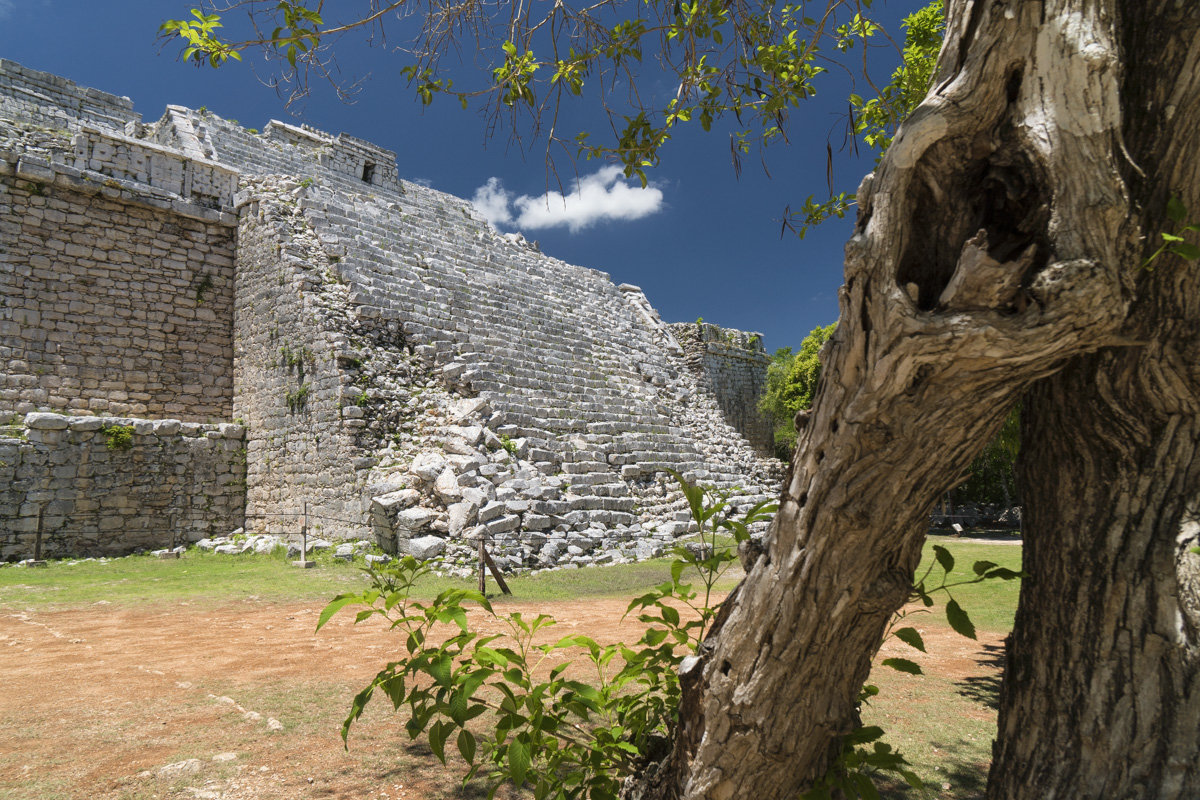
(118, 437)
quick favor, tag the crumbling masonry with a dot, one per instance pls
(208, 328)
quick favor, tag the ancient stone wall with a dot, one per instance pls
(99, 493)
(733, 366)
(58, 104)
(290, 392)
(111, 307)
(403, 370)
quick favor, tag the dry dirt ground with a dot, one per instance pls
(237, 702)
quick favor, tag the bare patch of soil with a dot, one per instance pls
(241, 702)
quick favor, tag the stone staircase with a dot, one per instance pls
(568, 363)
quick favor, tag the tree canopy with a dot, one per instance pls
(750, 65)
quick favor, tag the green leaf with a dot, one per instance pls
(903, 665)
(356, 709)
(394, 688)
(466, 745)
(1004, 574)
(1176, 210)
(943, 557)
(335, 605)
(1186, 250)
(518, 759)
(693, 493)
(911, 637)
(437, 739)
(440, 669)
(458, 707)
(487, 656)
(670, 615)
(959, 620)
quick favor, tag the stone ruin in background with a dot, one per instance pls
(286, 331)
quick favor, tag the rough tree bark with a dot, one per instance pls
(998, 242)
(1101, 696)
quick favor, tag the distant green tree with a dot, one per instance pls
(791, 383)
(992, 475)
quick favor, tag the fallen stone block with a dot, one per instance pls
(424, 548)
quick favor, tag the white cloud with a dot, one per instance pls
(601, 197)
(6, 8)
(491, 200)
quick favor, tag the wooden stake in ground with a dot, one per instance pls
(304, 563)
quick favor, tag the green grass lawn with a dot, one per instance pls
(203, 576)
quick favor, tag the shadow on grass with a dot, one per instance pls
(960, 776)
(985, 689)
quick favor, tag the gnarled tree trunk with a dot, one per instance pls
(996, 243)
(1101, 696)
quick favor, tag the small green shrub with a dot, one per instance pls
(565, 738)
(118, 437)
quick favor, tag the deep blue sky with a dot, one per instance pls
(712, 249)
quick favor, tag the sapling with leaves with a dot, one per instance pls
(562, 736)
(1173, 241)
(573, 718)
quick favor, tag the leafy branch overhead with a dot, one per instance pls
(750, 64)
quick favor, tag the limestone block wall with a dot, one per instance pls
(733, 366)
(290, 390)
(176, 482)
(111, 306)
(399, 366)
(303, 153)
(200, 181)
(57, 103)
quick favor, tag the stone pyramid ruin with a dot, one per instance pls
(209, 328)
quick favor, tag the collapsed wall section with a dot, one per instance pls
(98, 486)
